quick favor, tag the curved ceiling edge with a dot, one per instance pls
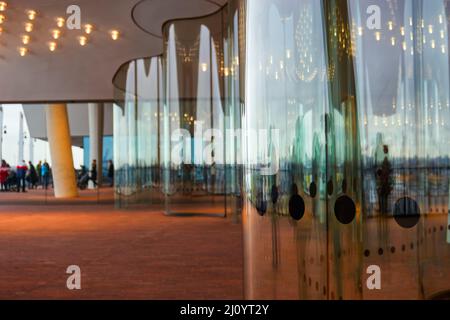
(167, 10)
(123, 65)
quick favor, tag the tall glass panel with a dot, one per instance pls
(346, 173)
(402, 71)
(137, 129)
(286, 102)
(343, 154)
(194, 118)
(233, 48)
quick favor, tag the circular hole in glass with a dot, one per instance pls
(296, 207)
(345, 210)
(407, 213)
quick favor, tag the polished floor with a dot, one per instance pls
(133, 254)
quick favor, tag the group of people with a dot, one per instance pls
(27, 176)
(23, 175)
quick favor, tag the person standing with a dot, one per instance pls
(111, 173)
(4, 173)
(94, 172)
(38, 171)
(45, 174)
(32, 175)
(385, 182)
(21, 175)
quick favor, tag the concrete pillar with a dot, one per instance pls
(58, 133)
(31, 149)
(21, 156)
(96, 116)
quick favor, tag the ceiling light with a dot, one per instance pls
(3, 5)
(31, 14)
(393, 41)
(25, 39)
(56, 33)
(114, 34)
(28, 27)
(60, 22)
(1, 30)
(88, 28)
(23, 51)
(378, 36)
(82, 40)
(2, 18)
(52, 46)
(391, 25)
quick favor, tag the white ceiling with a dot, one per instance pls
(75, 73)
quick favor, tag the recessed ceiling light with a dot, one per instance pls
(52, 46)
(114, 34)
(56, 33)
(25, 39)
(31, 14)
(60, 22)
(3, 5)
(88, 28)
(23, 51)
(2, 18)
(82, 40)
(28, 27)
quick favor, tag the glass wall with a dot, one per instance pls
(194, 117)
(234, 59)
(137, 127)
(404, 113)
(325, 120)
(178, 119)
(345, 169)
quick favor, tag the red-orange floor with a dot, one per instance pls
(133, 254)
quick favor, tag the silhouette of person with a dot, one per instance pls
(384, 181)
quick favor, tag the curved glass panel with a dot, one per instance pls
(287, 98)
(233, 57)
(194, 116)
(137, 124)
(345, 169)
(403, 98)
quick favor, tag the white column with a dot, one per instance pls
(96, 116)
(21, 156)
(58, 133)
(31, 148)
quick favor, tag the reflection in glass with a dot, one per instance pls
(346, 124)
(287, 100)
(137, 128)
(194, 117)
(403, 99)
